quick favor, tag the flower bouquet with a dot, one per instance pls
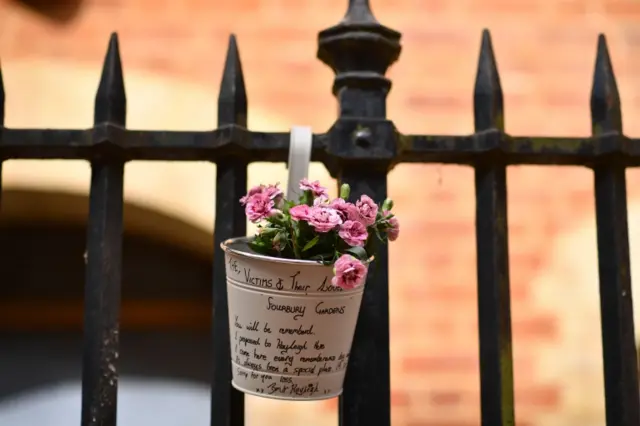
(295, 288)
(316, 228)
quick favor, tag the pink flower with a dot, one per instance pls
(324, 219)
(367, 210)
(345, 210)
(353, 233)
(394, 227)
(253, 191)
(315, 187)
(321, 201)
(258, 207)
(272, 191)
(349, 272)
(301, 212)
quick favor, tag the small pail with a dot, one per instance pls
(291, 330)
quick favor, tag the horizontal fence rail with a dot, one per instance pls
(360, 149)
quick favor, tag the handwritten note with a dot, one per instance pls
(291, 329)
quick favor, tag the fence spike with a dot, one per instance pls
(620, 366)
(606, 110)
(232, 101)
(111, 99)
(488, 107)
(227, 403)
(1, 123)
(359, 11)
(1, 97)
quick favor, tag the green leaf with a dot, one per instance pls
(268, 231)
(295, 226)
(260, 248)
(358, 252)
(286, 206)
(275, 221)
(307, 198)
(326, 258)
(311, 243)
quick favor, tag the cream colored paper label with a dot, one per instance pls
(291, 329)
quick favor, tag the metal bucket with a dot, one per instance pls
(291, 330)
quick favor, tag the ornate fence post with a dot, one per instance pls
(360, 50)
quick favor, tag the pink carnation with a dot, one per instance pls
(394, 227)
(366, 211)
(253, 191)
(271, 191)
(345, 210)
(349, 272)
(315, 187)
(301, 212)
(321, 201)
(353, 233)
(258, 207)
(324, 219)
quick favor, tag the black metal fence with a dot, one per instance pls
(360, 148)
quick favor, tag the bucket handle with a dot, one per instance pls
(299, 158)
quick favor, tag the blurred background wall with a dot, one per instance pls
(173, 53)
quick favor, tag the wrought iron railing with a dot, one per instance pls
(360, 149)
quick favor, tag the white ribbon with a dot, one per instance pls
(299, 159)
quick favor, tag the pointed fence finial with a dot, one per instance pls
(232, 100)
(111, 99)
(359, 11)
(488, 107)
(1, 98)
(606, 110)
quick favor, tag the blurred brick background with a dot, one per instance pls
(545, 51)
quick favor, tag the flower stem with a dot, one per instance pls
(296, 249)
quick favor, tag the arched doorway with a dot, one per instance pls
(165, 318)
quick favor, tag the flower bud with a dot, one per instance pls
(267, 231)
(345, 191)
(276, 214)
(388, 204)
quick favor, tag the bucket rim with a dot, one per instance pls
(248, 254)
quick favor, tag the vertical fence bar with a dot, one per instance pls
(360, 50)
(227, 403)
(494, 304)
(1, 125)
(618, 338)
(104, 257)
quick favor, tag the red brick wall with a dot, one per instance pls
(545, 52)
